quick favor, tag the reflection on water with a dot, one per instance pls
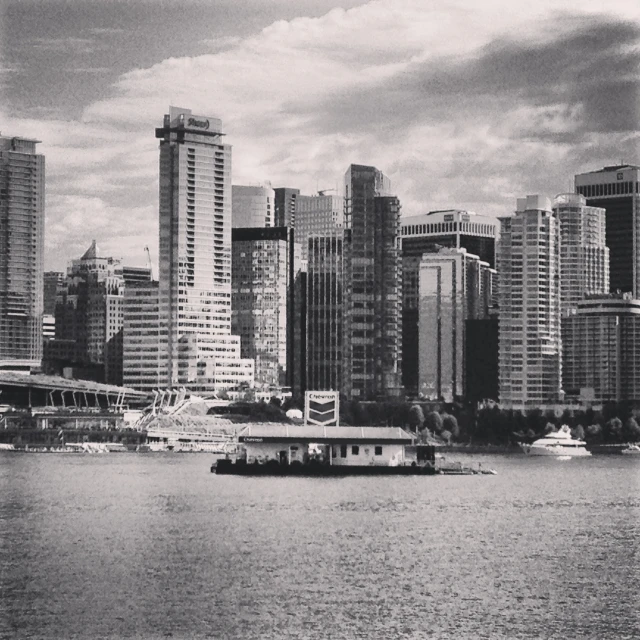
(152, 546)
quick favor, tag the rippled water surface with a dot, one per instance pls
(153, 546)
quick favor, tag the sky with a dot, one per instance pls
(466, 104)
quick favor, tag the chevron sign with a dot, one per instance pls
(322, 407)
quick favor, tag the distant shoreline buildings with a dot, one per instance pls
(266, 290)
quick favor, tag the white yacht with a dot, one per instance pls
(631, 450)
(557, 443)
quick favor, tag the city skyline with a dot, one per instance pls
(462, 106)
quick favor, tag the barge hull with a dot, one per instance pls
(228, 467)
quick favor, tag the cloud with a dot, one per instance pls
(69, 45)
(462, 104)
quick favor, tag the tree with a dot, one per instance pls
(450, 424)
(433, 422)
(631, 430)
(578, 432)
(550, 428)
(594, 433)
(416, 417)
(613, 430)
(446, 436)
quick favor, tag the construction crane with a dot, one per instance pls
(146, 249)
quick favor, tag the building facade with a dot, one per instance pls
(529, 306)
(88, 319)
(195, 256)
(584, 259)
(142, 341)
(373, 338)
(285, 206)
(252, 206)
(327, 292)
(318, 215)
(21, 253)
(428, 233)
(265, 308)
(455, 287)
(601, 347)
(617, 190)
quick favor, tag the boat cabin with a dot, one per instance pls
(335, 446)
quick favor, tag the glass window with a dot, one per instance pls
(378, 451)
(355, 450)
(343, 450)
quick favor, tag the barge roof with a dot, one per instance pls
(321, 434)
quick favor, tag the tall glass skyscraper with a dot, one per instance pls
(195, 256)
(617, 190)
(373, 337)
(21, 253)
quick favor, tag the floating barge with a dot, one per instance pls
(286, 450)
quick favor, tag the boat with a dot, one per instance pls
(631, 450)
(315, 450)
(557, 443)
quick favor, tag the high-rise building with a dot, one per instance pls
(285, 206)
(142, 340)
(455, 286)
(265, 309)
(372, 337)
(199, 351)
(136, 274)
(318, 215)
(428, 233)
(584, 259)
(601, 349)
(617, 190)
(52, 281)
(252, 206)
(529, 306)
(21, 253)
(328, 259)
(89, 318)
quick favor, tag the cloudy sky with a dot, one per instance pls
(462, 103)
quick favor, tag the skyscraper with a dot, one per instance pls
(617, 190)
(318, 215)
(252, 206)
(529, 306)
(584, 259)
(601, 347)
(285, 206)
(21, 253)
(265, 266)
(89, 318)
(455, 286)
(328, 260)
(373, 340)
(427, 233)
(195, 256)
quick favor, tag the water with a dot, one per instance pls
(153, 546)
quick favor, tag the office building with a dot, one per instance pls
(616, 189)
(326, 308)
(427, 233)
(195, 257)
(21, 253)
(601, 348)
(136, 274)
(88, 319)
(142, 341)
(264, 308)
(584, 258)
(454, 287)
(372, 337)
(529, 306)
(285, 206)
(252, 206)
(318, 215)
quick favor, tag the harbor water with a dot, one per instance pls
(132, 545)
